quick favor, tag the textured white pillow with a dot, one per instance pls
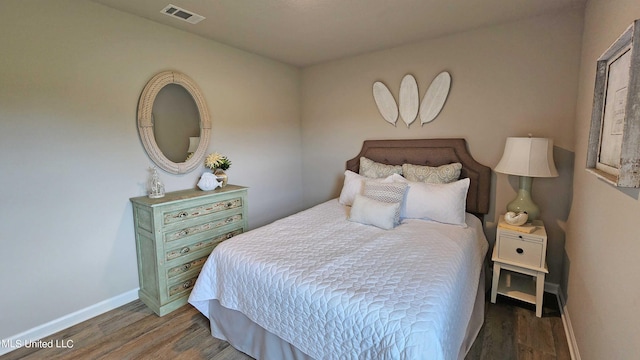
(386, 190)
(373, 212)
(445, 203)
(353, 184)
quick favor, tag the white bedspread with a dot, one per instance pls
(341, 290)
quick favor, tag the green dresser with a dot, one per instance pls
(175, 235)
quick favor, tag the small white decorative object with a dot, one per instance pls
(435, 97)
(517, 219)
(156, 187)
(208, 182)
(386, 103)
(409, 99)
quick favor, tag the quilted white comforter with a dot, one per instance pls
(341, 290)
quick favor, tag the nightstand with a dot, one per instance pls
(519, 264)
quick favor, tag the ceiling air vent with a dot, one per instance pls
(182, 14)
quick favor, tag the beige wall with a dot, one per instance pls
(71, 73)
(508, 80)
(603, 295)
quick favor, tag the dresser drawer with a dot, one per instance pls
(181, 287)
(520, 250)
(202, 210)
(207, 244)
(188, 266)
(182, 233)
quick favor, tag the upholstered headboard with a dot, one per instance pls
(433, 152)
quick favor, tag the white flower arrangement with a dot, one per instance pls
(216, 161)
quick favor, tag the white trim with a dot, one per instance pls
(566, 321)
(52, 327)
(568, 328)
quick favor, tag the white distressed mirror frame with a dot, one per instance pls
(145, 122)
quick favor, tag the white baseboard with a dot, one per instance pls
(566, 321)
(52, 327)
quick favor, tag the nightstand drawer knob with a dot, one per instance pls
(520, 236)
(519, 250)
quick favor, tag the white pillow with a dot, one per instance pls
(445, 203)
(386, 190)
(373, 212)
(353, 184)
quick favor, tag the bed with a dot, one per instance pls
(316, 285)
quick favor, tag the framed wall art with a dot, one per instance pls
(614, 139)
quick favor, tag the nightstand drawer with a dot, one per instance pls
(527, 253)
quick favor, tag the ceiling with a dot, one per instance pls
(307, 32)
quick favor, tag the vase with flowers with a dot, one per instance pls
(219, 164)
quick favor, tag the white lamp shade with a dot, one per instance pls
(528, 156)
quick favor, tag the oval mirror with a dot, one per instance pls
(173, 122)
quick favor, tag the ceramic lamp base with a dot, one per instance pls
(523, 201)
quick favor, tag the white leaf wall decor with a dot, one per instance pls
(386, 103)
(409, 99)
(435, 97)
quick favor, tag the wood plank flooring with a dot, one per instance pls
(511, 331)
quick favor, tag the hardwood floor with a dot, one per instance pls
(511, 331)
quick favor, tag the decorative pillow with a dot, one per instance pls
(372, 169)
(372, 212)
(433, 175)
(445, 203)
(386, 191)
(352, 186)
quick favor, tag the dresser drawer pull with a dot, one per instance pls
(229, 204)
(184, 250)
(183, 214)
(186, 267)
(520, 237)
(229, 236)
(519, 250)
(186, 284)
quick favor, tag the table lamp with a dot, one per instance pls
(527, 157)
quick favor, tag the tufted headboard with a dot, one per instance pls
(433, 152)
